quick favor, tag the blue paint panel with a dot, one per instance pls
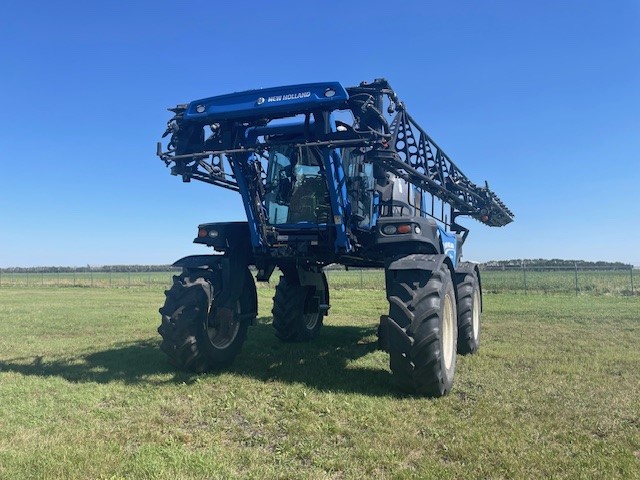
(449, 244)
(336, 181)
(267, 102)
(237, 165)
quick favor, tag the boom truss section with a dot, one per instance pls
(420, 161)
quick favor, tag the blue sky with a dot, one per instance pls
(542, 99)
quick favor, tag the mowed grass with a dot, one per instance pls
(85, 393)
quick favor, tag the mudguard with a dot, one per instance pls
(230, 270)
(467, 267)
(207, 262)
(418, 261)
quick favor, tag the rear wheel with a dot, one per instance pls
(297, 312)
(197, 337)
(469, 313)
(423, 305)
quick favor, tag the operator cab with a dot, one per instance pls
(296, 187)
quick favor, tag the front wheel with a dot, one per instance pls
(197, 337)
(298, 310)
(423, 305)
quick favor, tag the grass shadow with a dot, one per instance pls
(328, 363)
(130, 363)
(324, 364)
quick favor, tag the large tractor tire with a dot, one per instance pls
(297, 312)
(423, 305)
(469, 312)
(197, 337)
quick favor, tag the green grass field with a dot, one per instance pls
(85, 393)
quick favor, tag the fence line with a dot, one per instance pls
(560, 279)
(111, 279)
(525, 279)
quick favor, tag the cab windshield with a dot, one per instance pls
(296, 186)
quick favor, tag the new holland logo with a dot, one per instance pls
(288, 96)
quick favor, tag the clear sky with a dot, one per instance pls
(542, 99)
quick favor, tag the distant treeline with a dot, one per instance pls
(555, 263)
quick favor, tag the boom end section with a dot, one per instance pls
(494, 213)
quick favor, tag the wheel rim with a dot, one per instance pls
(447, 332)
(311, 320)
(476, 314)
(225, 328)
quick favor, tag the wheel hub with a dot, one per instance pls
(223, 327)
